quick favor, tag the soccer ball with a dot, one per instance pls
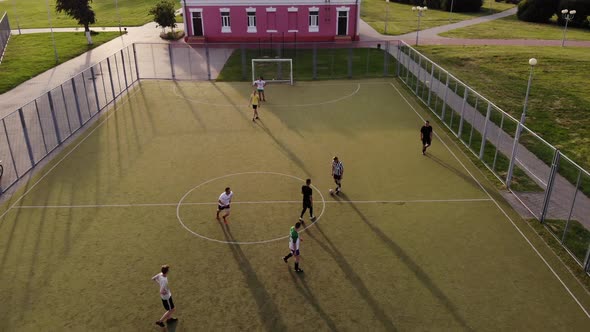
(331, 191)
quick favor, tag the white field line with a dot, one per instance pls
(69, 152)
(83, 206)
(499, 207)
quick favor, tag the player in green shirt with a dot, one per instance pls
(294, 242)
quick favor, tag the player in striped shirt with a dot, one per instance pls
(337, 173)
(294, 242)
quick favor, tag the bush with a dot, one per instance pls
(539, 11)
(462, 6)
(582, 8)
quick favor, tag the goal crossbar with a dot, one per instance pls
(280, 61)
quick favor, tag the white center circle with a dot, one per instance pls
(244, 242)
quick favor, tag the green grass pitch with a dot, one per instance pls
(414, 242)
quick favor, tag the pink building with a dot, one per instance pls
(264, 20)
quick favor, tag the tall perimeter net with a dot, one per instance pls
(273, 70)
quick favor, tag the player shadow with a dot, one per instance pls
(284, 148)
(269, 314)
(171, 327)
(458, 172)
(190, 106)
(352, 276)
(409, 262)
(230, 100)
(307, 293)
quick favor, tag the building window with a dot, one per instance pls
(271, 21)
(225, 22)
(251, 21)
(292, 22)
(313, 21)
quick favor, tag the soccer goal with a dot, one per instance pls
(273, 70)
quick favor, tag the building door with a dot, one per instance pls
(342, 23)
(197, 24)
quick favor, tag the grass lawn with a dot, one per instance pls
(33, 13)
(402, 20)
(511, 27)
(16, 68)
(559, 104)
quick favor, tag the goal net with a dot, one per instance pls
(273, 70)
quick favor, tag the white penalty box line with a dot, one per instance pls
(82, 206)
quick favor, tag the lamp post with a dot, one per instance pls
(420, 11)
(51, 28)
(532, 63)
(118, 15)
(451, 12)
(16, 14)
(386, 14)
(567, 15)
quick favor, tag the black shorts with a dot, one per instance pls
(254, 107)
(426, 141)
(337, 177)
(168, 304)
(307, 204)
(221, 207)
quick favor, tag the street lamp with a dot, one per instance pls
(532, 63)
(420, 11)
(451, 12)
(16, 14)
(118, 15)
(567, 15)
(386, 14)
(51, 28)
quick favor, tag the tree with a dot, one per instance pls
(582, 8)
(164, 15)
(462, 6)
(539, 11)
(79, 10)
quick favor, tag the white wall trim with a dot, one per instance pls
(224, 10)
(343, 9)
(292, 30)
(271, 9)
(225, 29)
(292, 9)
(314, 28)
(251, 30)
(314, 9)
(347, 20)
(272, 31)
(196, 10)
(251, 10)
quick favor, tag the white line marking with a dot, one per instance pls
(246, 202)
(497, 204)
(273, 105)
(112, 112)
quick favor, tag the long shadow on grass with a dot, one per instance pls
(399, 252)
(353, 277)
(267, 310)
(190, 106)
(284, 148)
(308, 294)
(459, 172)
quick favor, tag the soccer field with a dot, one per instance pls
(413, 243)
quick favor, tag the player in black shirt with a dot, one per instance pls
(307, 192)
(426, 136)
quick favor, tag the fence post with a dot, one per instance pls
(444, 105)
(26, 134)
(111, 78)
(95, 89)
(460, 130)
(408, 58)
(429, 85)
(124, 74)
(569, 217)
(171, 61)
(244, 64)
(587, 260)
(63, 96)
(41, 125)
(386, 56)
(350, 62)
(550, 181)
(485, 131)
(399, 57)
(418, 72)
(136, 64)
(52, 109)
(314, 60)
(208, 62)
(10, 149)
(77, 101)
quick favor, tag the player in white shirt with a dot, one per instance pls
(260, 84)
(223, 203)
(162, 280)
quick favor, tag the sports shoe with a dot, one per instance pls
(301, 219)
(313, 218)
(256, 118)
(285, 260)
(160, 324)
(299, 270)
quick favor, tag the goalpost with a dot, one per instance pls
(273, 70)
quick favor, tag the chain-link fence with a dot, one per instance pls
(551, 186)
(33, 131)
(4, 34)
